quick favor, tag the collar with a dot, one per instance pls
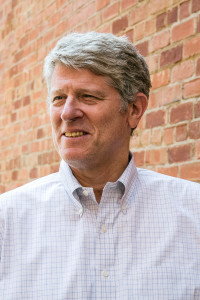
(124, 183)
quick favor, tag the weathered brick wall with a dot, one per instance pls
(166, 32)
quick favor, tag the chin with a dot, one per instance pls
(71, 156)
(77, 160)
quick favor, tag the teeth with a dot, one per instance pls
(74, 134)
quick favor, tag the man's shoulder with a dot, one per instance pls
(32, 189)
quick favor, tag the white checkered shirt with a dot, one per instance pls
(141, 242)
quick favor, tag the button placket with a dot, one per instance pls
(103, 228)
(85, 192)
(105, 273)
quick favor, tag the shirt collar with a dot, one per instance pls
(124, 182)
(70, 183)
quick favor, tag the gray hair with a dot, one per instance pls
(103, 54)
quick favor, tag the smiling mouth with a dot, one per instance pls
(75, 134)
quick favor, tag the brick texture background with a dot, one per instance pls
(166, 32)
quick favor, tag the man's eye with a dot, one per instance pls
(88, 96)
(58, 98)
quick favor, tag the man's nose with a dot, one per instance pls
(71, 109)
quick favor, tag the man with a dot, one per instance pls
(100, 228)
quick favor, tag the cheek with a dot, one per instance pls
(55, 118)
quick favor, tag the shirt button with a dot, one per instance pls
(105, 273)
(85, 193)
(103, 228)
(80, 212)
(123, 207)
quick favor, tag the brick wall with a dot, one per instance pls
(166, 32)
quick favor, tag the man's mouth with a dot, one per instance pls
(75, 134)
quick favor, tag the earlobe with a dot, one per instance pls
(137, 109)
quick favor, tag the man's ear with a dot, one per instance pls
(137, 109)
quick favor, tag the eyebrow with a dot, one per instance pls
(98, 93)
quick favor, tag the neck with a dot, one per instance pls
(97, 177)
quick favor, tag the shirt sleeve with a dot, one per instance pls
(2, 226)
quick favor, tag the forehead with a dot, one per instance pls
(63, 76)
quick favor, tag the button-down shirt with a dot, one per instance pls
(141, 242)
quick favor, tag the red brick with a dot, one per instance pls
(169, 94)
(17, 104)
(14, 3)
(170, 171)
(13, 117)
(139, 31)
(2, 189)
(150, 27)
(40, 133)
(111, 11)
(195, 5)
(190, 171)
(172, 15)
(197, 149)
(24, 40)
(158, 156)
(179, 153)
(156, 136)
(198, 24)
(197, 110)
(184, 9)
(135, 141)
(198, 67)
(152, 100)
(160, 79)
(181, 112)
(145, 137)
(168, 135)
(13, 71)
(157, 5)
(171, 56)
(138, 14)
(46, 158)
(102, 3)
(129, 35)
(33, 173)
(127, 3)
(143, 48)
(147, 157)
(160, 41)
(192, 88)
(25, 148)
(194, 130)
(107, 28)
(19, 55)
(181, 133)
(55, 18)
(152, 61)
(44, 170)
(85, 11)
(183, 30)
(161, 21)
(155, 118)
(54, 168)
(60, 28)
(139, 158)
(191, 47)
(26, 100)
(35, 147)
(120, 25)
(14, 175)
(182, 71)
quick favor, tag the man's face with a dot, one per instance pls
(88, 127)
